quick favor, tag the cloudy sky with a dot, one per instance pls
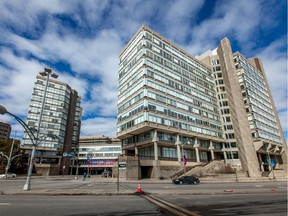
(81, 41)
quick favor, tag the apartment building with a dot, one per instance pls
(5, 130)
(167, 106)
(96, 154)
(61, 117)
(214, 107)
(251, 124)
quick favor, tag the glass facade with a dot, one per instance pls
(259, 109)
(98, 151)
(165, 91)
(57, 110)
(158, 83)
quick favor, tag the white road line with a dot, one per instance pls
(2, 204)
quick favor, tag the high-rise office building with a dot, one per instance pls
(61, 116)
(250, 121)
(167, 106)
(175, 108)
(5, 130)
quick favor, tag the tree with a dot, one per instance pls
(18, 165)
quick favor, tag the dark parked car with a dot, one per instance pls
(186, 180)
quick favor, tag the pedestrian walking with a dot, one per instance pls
(84, 176)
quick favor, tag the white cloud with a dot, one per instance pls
(17, 85)
(241, 21)
(99, 126)
(178, 17)
(103, 28)
(96, 57)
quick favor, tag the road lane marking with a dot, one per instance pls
(2, 204)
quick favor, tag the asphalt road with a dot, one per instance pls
(233, 204)
(95, 185)
(209, 188)
(216, 205)
(60, 196)
(76, 206)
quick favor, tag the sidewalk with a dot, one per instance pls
(57, 185)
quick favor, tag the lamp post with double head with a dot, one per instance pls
(33, 139)
(46, 73)
(36, 140)
(89, 159)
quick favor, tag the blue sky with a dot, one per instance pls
(81, 41)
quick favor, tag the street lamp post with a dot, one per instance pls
(75, 159)
(118, 172)
(3, 110)
(77, 168)
(34, 139)
(47, 72)
(89, 158)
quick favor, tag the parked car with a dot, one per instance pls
(9, 175)
(106, 173)
(186, 180)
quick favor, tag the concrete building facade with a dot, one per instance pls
(96, 154)
(167, 106)
(248, 113)
(215, 107)
(61, 116)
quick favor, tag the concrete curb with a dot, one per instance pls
(69, 192)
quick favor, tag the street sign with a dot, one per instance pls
(122, 165)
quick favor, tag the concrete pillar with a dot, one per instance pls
(212, 153)
(155, 151)
(156, 169)
(136, 150)
(261, 162)
(212, 150)
(196, 147)
(156, 173)
(225, 156)
(178, 143)
(197, 155)
(155, 140)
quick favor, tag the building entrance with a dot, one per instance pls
(146, 171)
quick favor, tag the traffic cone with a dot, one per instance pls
(139, 190)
